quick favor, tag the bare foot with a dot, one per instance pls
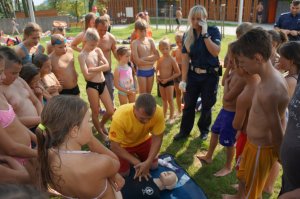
(227, 196)
(223, 172)
(235, 186)
(204, 159)
(171, 121)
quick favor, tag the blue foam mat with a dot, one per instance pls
(186, 187)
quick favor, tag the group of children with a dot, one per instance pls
(253, 113)
(36, 89)
(253, 117)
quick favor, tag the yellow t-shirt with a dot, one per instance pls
(126, 130)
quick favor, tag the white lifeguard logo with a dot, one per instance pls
(148, 190)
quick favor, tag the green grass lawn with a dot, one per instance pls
(185, 151)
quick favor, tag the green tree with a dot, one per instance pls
(7, 8)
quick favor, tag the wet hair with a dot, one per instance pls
(278, 36)
(28, 72)
(101, 20)
(122, 50)
(140, 24)
(243, 28)
(290, 51)
(19, 191)
(59, 116)
(295, 2)
(146, 102)
(10, 56)
(87, 19)
(190, 38)
(58, 30)
(30, 28)
(39, 60)
(91, 34)
(164, 42)
(254, 41)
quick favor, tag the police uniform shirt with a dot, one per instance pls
(289, 22)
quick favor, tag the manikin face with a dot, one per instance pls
(168, 178)
(12, 73)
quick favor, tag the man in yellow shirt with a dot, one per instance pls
(136, 134)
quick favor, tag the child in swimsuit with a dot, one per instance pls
(177, 54)
(92, 63)
(167, 69)
(15, 137)
(62, 165)
(31, 44)
(123, 77)
(48, 79)
(144, 55)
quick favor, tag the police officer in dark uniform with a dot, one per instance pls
(289, 22)
(200, 71)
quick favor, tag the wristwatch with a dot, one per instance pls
(205, 36)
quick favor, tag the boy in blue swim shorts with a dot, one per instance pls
(144, 55)
(222, 129)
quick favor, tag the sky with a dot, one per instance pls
(38, 2)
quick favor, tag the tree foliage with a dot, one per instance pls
(6, 8)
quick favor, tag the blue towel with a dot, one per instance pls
(186, 187)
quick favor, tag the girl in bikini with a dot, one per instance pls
(62, 165)
(14, 136)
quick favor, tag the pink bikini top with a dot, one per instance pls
(7, 116)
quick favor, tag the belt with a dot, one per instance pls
(199, 70)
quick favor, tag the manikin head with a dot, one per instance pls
(166, 180)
